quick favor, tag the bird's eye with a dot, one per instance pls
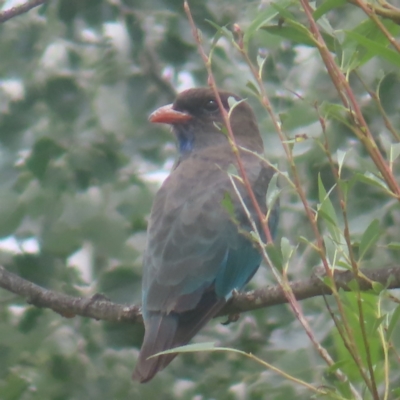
(211, 106)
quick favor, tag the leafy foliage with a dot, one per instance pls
(79, 165)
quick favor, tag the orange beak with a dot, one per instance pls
(167, 115)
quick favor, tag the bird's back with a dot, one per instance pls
(195, 254)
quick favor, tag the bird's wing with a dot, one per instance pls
(193, 243)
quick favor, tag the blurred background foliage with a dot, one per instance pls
(79, 165)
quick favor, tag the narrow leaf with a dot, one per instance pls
(340, 159)
(263, 18)
(275, 256)
(326, 210)
(377, 48)
(371, 179)
(228, 205)
(393, 322)
(335, 111)
(327, 6)
(221, 31)
(296, 35)
(253, 88)
(394, 246)
(273, 191)
(286, 249)
(190, 348)
(233, 103)
(394, 151)
(369, 238)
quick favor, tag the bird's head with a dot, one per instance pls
(196, 120)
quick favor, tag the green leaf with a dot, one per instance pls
(331, 249)
(273, 191)
(377, 323)
(344, 265)
(337, 365)
(287, 250)
(377, 287)
(385, 142)
(326, 210)
(344, 388)
(11, 212)
(263, 18)
(364, 42)
(369, 237)
(222, 31)
(372, 180)
(327, 281)
(341, 155)
(393, 322)
(354, 286)
(261, 62)
(282, 117)
(199, 347)
(394, 246)
(345, 187)
(335, 111)
(298, 116)
(275, 256)
(233, 171)
(253, 88)
(306, 241)
(375, 48)
(298, 35)
(14, 387)
(394, 152)
(233, 103)
(327, 6)
(44, 150)
(283, 12)
(228, 205)
(190, 348)
(30, 319)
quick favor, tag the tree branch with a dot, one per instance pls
(97, 307)
(314, 286)
(68, 306)
(18, 10)
(384, 10)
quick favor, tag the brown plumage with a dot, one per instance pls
(195, 255)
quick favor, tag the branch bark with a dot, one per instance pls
(18, 10)
(97, 307)
(384, 10)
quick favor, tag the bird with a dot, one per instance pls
(198, 252)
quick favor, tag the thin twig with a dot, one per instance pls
(347, 334)
(372, 15)
(309, 212)
(18, 10)
(377, 100)
(225, 115)
(348, 99)
(385, 10)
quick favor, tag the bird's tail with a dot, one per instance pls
(166, 331)
(154, 343)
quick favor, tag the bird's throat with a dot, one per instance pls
(185, 137)
(185, 144)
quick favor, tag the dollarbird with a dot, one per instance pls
(198, 252)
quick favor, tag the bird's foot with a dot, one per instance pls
(231, 318)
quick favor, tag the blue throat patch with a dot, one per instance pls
(185, 143)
